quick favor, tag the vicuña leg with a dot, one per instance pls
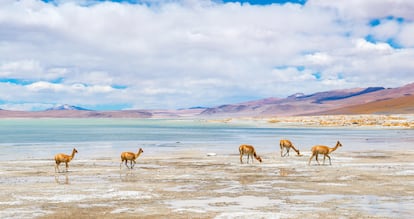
(317, 159)
(57, 167)
(329, 159)
(310, 159)
(123, 162)
(287, 152)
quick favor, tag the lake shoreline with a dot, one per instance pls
(404, 121)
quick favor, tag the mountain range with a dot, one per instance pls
(371, 100)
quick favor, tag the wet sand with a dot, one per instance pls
(190, 184)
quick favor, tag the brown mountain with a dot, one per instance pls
(335, 102)
(399, 105)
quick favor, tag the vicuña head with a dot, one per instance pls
(257, 157)
(250, 151)
(287, 144)
(64, 158)
(125, 156)
(325, 150)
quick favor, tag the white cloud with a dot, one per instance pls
(386, 29)
(319, 58)
(19, 68)
(185, 53)
(77, 88)
(365, 46)
(406, 35)
(45, 86)
(368, 9)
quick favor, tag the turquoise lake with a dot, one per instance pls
(95, 138)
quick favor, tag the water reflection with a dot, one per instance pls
(127, 176)
(62, 178)
(246, 180)
(285, 171)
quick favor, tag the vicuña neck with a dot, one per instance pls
(334, 148)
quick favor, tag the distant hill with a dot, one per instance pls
(318, 103)
(339, 95)
(75, 114)
(66, 107)
(71, 113)
(399, 105)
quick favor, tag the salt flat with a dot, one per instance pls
(190, 184)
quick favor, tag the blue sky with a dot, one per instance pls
(152, 54)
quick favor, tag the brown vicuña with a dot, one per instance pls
(325, 150)
(250, 151)
(284, 143)
(64, 158)
(125, 156)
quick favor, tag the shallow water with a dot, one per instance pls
(42, 138)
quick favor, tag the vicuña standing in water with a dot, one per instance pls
(249, 150)
(284, 143)
(64, 158)
(325, 150)
(125, 156)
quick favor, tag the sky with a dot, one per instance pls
(170, 54)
